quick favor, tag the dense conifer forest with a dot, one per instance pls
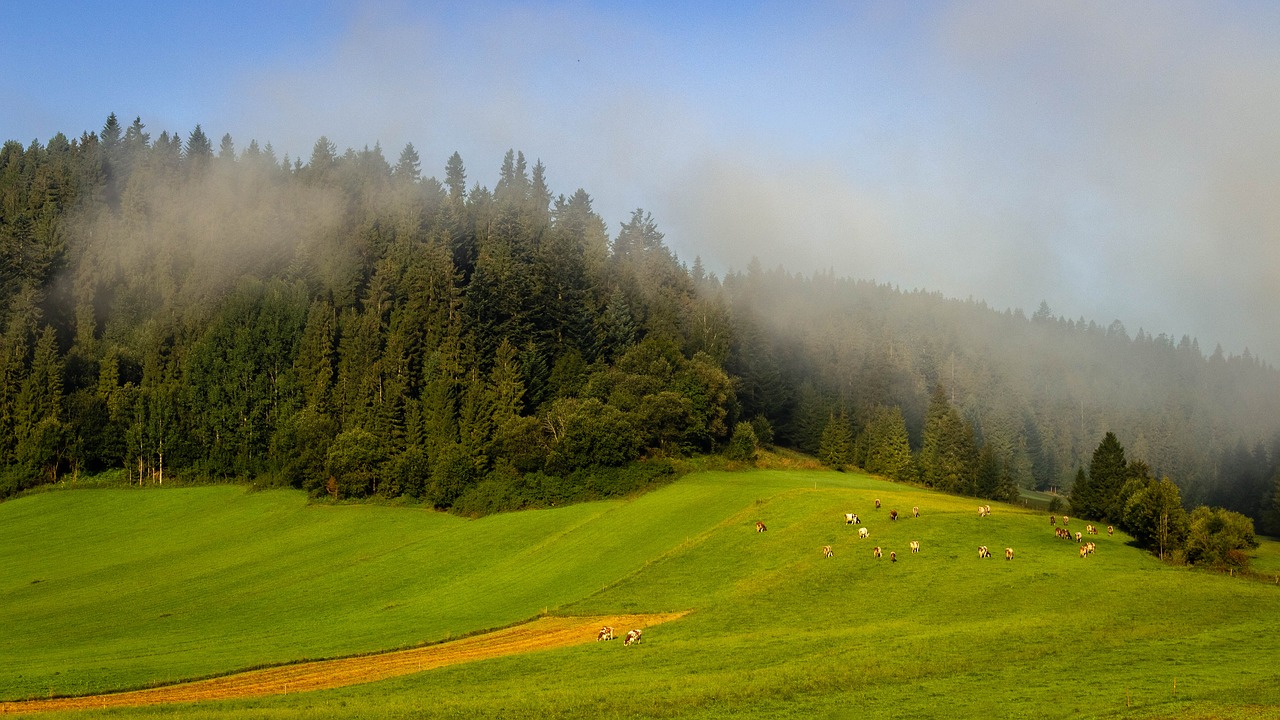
(353, 326)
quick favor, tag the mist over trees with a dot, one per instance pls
(356, 327)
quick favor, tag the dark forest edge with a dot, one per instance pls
(353, 328)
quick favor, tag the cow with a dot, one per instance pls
(915, 511)
(632, 637)
(606, 633)
(1079, 536)
(848, 518)
(893, 557)
(1090, 530)
(983, 552)
(1053, 520)
(915, 546)
(1008, 553)
(875, 552)
(877, 503)
(893, 514)
(760, 526)
(826, 551)
(863, 532)
(1083, 551)
(1066, 520)
(1091, 547)
(1110, 530)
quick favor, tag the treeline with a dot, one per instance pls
(827, 358)
(346, 325)
(355, 327)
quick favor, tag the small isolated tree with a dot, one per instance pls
(1154, 515)
(743, 444)
(836, 448)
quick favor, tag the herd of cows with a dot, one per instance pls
(1086, 548)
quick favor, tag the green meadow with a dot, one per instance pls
(117, 589)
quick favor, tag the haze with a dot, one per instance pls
(1117, 160)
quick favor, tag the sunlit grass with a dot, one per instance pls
(776, 629)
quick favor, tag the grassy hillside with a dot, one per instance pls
(143, 586)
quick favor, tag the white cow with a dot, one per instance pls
(863, 533)
(915, 546)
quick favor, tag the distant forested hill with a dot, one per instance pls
(349, 325)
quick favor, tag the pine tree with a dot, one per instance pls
(948, 456)
(836, 448)
(408, 168)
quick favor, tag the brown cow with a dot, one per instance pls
(826, 551)
(876, 551)
(915, 511)
(1053, 520)
(1008, 553)
(760, 526)
(893, 514)
(632, 637)
(1110, 530)
(893, 557)
(983, 552)
(877, 503)
(606, 633)
(1079, 536)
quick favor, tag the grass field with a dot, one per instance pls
(121, 589)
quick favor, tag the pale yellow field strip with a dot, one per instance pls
(541, 634)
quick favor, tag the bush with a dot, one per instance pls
(744, 444)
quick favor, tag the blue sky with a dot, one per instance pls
(1117, 160)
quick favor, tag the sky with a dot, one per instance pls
(1117, 160)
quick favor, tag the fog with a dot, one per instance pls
(1117, 160)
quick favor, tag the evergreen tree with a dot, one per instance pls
(886, 447)
(1098, 499)
(199, 149)
(836, 448)
(408, 168)
(948, 457)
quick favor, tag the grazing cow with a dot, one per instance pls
(606, 633)
(760, 526)
(826, 551)
(1066, 520)
(876, 551)
(1083, 551)
(1090, 530)
(915, 511)
(1008, 553)
(856, 520)
(988, 509)
(863, 532)
(983, 552)
(877, 503)
(1110, 530)
(893, 557)
(848, 518)
(893, 514)
(1053, 520)
(1079, 536)
(1091, 547)
(915, 546)
(632, 637)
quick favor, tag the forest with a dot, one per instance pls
(355, 327)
